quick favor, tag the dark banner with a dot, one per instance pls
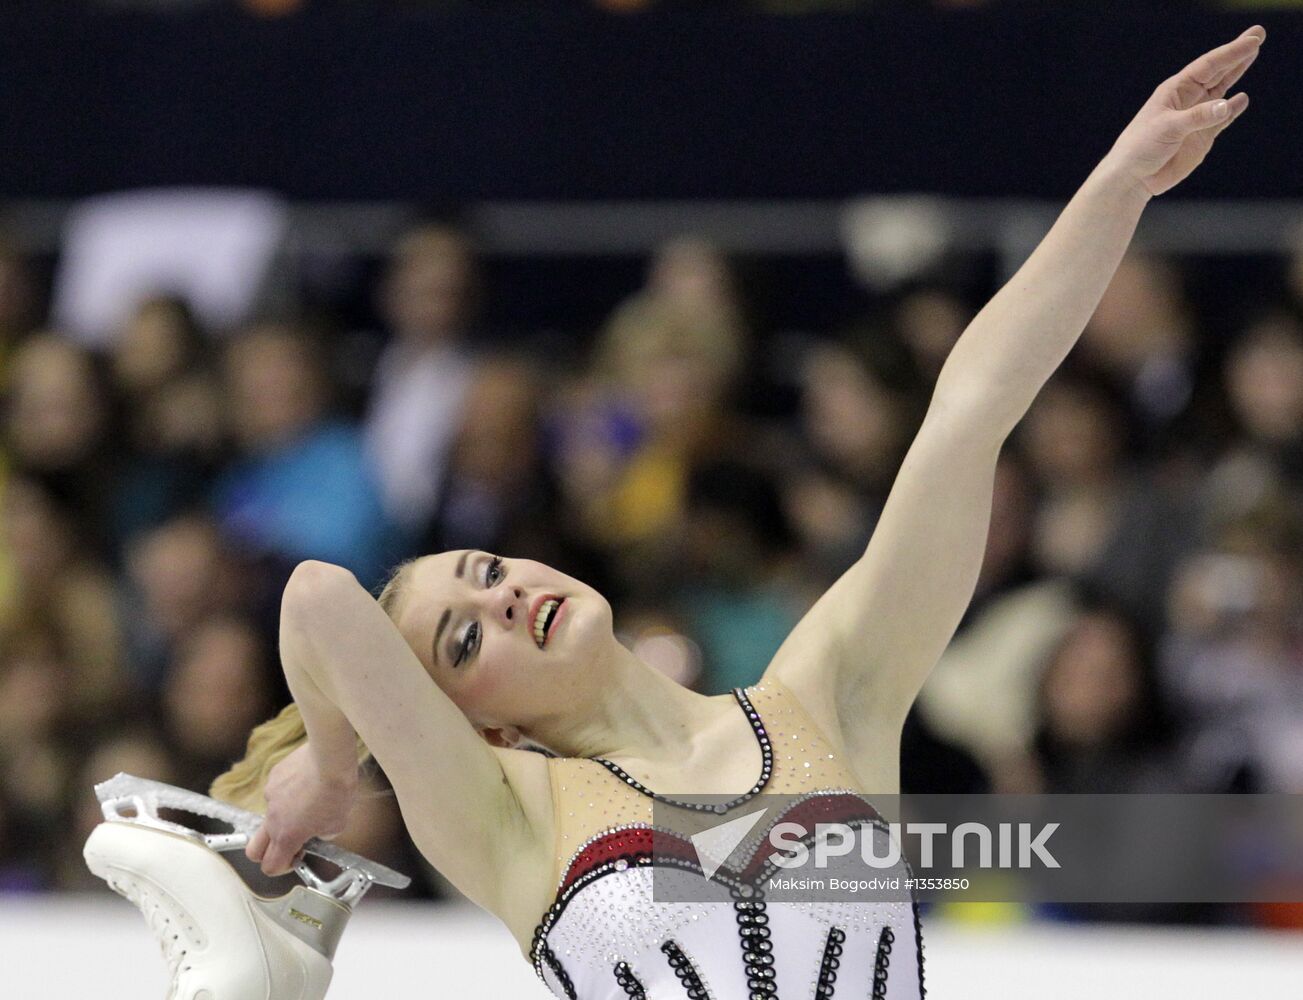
(556, 101)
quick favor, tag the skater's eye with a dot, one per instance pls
(470, 642)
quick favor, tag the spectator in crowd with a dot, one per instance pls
(499, 492)
(57, 579)
(694, 278)
(36, 726)
(1103, 728)
(1101, 725)
(658, 400)
(216, 689)
(172, 415)
(178, 574)
(1264, 381)
(57, 429)
(300, 486)
(859, 407)
(1142, 339)
(428, 303)
(160, 341)
(1098, 519)
(1232, 659)
(734, 586)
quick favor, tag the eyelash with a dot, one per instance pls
(493, 567)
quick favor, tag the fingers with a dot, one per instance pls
(276, 857)
(281, 857)
(1239, 104)
(1212, 66)
(1232, 77)
(257, 846)
(1209, 114)
(1205, 72)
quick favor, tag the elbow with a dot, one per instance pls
(314, 588)
(972, 415)
(987, 401)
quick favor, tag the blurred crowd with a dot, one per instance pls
(1138, 623)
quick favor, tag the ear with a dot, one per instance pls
(507, 737)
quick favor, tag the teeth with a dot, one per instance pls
(543, 612)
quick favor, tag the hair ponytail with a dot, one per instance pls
(268, 745)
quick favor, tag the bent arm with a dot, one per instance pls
(331, 737)
(349, 670)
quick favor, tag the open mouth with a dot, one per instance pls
(546, 612)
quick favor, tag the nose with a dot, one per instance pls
(507, 606)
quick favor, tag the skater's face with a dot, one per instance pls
(474, 620)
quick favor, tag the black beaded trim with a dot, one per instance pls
(832, 951)
(918, 932)
(559, 970)
(683, 968)
(766, 768)
(918, 941)
(629, 982)
(757, 948)
(882, 963)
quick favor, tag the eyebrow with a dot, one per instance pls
(447, 612)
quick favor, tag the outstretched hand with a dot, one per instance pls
(1178, 125)
(302, 803)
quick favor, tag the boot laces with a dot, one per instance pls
(173, 943)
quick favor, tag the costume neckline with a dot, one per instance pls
(766, 767)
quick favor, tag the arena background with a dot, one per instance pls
(654, 293)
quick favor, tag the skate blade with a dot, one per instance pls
(145, 797)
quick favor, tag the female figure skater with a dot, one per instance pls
(465, 654)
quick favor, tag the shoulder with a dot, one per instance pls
(802, 672)
(790, 695)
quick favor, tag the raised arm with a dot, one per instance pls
(861, 654)
(351, 673)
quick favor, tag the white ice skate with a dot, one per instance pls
(221, 940)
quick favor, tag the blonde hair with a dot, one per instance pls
(274, 740)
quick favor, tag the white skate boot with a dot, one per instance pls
(222, 941)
